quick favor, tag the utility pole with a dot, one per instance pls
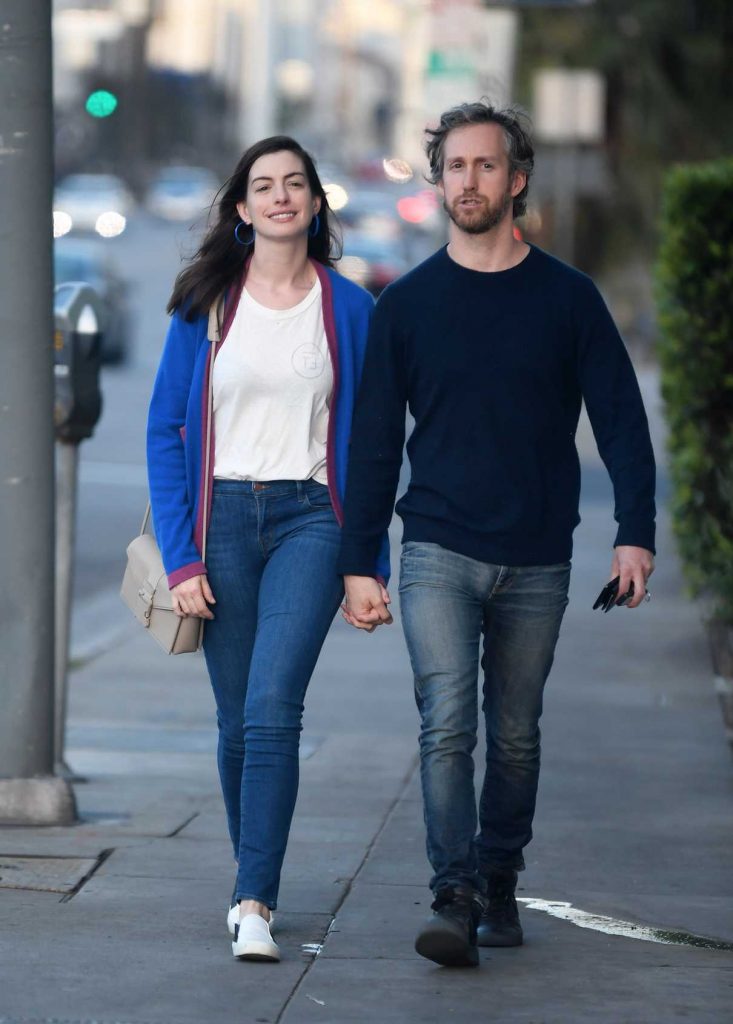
(29, 792)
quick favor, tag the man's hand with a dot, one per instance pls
(192, 597)
(365, 606)
(632, 564)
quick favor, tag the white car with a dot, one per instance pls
(92, 202)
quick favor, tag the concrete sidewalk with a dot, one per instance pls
(122, 917)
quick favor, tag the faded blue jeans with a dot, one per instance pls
(448, 601)
(271, 560)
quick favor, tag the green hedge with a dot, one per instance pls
(695, 305)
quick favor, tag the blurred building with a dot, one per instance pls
(354, 79)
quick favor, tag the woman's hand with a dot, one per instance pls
(365, 604)
(192, 597)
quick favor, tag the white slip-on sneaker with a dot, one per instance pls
(252, 940)
(233, 919)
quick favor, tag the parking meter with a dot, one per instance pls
(77, 407)
(77, 361)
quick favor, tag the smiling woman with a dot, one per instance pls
(262, 170)
(263, 324)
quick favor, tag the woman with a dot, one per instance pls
(285, 373)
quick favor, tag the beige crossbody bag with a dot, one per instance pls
(145, 584)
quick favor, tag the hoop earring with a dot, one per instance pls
(243, 241)
(317, 223)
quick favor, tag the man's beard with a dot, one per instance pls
(480, 219)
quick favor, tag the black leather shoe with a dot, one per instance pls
(499, 924)
(449, 937)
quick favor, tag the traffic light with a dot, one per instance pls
(101, 103)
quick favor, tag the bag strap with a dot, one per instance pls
(214, 336)
(146, 518)
(216, 313)
(209, 425)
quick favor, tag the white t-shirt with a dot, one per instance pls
(272, 390)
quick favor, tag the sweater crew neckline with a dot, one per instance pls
(482, 276)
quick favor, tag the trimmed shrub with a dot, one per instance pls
(694, 282)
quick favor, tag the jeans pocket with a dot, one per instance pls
(412, 563)
(317, 495)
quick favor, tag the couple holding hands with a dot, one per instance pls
(492, 344)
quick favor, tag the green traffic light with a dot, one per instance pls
(101, 103)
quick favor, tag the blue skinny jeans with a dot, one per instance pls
(271, 561)
(448, 601)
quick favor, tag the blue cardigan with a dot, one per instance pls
(178, 417)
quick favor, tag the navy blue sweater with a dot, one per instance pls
(494, 367)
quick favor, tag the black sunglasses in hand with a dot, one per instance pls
(608, 597)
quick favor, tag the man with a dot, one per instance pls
(492, 343)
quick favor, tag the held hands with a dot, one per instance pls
(192, 597)
(365, 605)
(635, 565)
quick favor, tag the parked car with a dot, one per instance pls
(181, 193)
(371, 212)
(94, 202)
(82, 259)
(372, 262)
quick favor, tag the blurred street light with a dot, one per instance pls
(419, 208)
(62, 223)
(110, 224)
(397, 170)
(337, 195)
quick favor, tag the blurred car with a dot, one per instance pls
(82, 259)
(93, 202)
(372, 262)
(369, 212)
(181, 193)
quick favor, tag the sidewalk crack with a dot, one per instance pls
(103, 856)
(347, 891)
(184, 824)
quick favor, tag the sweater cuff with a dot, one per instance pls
(186, 572)
(636, 534)
(353, 561)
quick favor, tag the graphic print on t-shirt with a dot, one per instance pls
(308, 360)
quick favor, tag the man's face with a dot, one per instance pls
(476, 186)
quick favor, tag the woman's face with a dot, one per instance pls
(279, 203)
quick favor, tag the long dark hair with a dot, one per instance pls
(220, 258)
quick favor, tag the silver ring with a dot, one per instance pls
(648, 596)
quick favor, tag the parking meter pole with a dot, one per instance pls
(67, 470)
(77, 408)
(29, 791)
